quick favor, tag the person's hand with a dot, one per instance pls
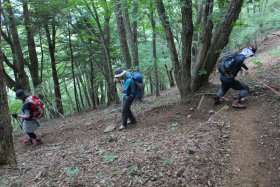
(116, 80)
(15, 115)
(247, 72)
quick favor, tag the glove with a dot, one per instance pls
(15, 115)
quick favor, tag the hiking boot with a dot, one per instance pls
(27, 141)
(217, 100)
(121, 127)
(237, 104)
(37, 142)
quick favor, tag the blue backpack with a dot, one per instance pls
(227, 63)
(138, 79)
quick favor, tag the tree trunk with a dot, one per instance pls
(122, 33)
(80, 92)
(70, 100)
(209, 47)
(170, 76)
(197, 33)
(7, 153)
(151, 84)
(73, 69)
(85, 89)
(112, 95)
(33, 65)
(51, 44)
(42, 55)
(155, 60)
(219, 41)
(187, 34)
(170, 42)
(131, 30)
(12, 84)
(205, 40)
(92, 85)
(23, 78)
(102, 94)
(105, 41)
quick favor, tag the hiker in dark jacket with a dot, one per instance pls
(127, 87)
(228, 79)
(29, 125)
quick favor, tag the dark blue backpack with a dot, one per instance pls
(138, 79)
(227, 63)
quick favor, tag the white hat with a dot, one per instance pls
(119, 72)
(247, 52)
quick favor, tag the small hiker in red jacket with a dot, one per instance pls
(30, 125)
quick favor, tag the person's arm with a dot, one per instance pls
(25, 115)
(121, 87)
(241, 58)
(244, 66)
(26, 111)
(118, 82)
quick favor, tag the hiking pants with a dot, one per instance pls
(32, 135)
(228, 83)
(126, 112)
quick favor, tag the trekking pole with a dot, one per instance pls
(272, 89)
(19, 123)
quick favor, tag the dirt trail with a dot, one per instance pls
(254, 159)
(246, 157)
(247, 161)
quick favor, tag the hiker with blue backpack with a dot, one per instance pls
(31, 113)
(128, 84)
(229, 66)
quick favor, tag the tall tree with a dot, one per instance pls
(22, 76)
(73, 67)
(155, 59)
(122, 33)
(190, 77)
(7, 153)
(131, 30)
(104, 34)
(33, 65)
(170, 41)
(51, 35)
(218, 41)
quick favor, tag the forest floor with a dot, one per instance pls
(173, 143)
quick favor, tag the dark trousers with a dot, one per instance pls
(228, 83)
(126, 112)
(32, 135)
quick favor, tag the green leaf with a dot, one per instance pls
(202, 72)
(240, 23)
(257, 63)
(7, 5)
(72, 171)
(109, 158)
(165, 161)
(174, 126)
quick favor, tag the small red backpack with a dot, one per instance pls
(37, 107)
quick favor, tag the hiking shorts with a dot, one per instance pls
(30, 126)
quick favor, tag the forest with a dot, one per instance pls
(66, 52)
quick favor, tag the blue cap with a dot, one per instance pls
(119, 72)
(20, 94)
